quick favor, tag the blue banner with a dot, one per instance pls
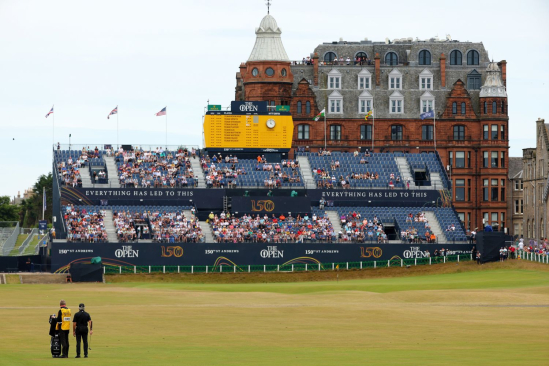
(430, 114)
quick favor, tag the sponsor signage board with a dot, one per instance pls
(214, 107)
(238, 254)
(282, 108)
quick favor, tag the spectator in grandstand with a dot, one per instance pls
(85, 226)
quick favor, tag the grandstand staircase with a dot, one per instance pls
(404, 169)
(198, 173)
(208, 233)
(109, 227)
(112, 171)
(306, 172)
(86, 179)
(334, 219)
(436, 181)
(435, 226)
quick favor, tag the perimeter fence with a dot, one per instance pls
(294, 267)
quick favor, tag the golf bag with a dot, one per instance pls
(55, 342)
(55, 346)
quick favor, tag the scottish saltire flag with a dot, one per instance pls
(430, 114)
(321, 114)
(162, 112)
(114, 111)
(50, 112)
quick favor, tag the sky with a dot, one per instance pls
(88, 57)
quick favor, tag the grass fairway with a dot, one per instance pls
(498, 315)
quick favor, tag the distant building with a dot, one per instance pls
(26, 195)
(399, 80)
(515, 198)
(536, 184)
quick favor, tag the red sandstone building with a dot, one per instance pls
(399, 80)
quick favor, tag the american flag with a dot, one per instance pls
(162, 112)
(50, 112)
(114, 111)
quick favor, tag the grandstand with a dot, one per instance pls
(220, 205)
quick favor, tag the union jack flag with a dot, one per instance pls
(162, 112)
(114, 111)
(50, 112)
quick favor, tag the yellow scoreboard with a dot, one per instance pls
(248, 131)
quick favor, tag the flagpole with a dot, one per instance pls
(373, 127)
(53, 126)
(166, 130)
(435, 128)
(43, 201)
(325, 130)
(117, 128)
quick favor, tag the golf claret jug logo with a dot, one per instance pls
(271, 252)
(262, 205)
(126, 252)
(414, 252)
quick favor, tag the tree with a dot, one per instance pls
(8, 212)
(31, 209)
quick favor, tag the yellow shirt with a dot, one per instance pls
(65, 321)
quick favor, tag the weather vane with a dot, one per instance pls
(268, 3)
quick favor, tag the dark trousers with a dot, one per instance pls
(82, 335)
(64, 338)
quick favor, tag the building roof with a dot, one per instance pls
(493, 85)
(515, 168)
(268, 43)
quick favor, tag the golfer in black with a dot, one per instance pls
(80, 329)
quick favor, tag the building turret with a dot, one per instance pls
(493, 95)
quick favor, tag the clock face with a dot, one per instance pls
(271, 123)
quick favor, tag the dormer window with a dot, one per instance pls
(427, 102)
(426, 80)
(335, 103)
(364, 79)
(334, 80)
(396, 103)
(365, 102)
(473, 80)
(395, 80)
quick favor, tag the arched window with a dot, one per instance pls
(494, 108)
(360, 58)
(472, 57)
(391, 59)
(396, 132)
(329, 57)
(335, 132)
(308, 107)
(425, 57)
(366, 132)
(459, 133)
(454, 108)
(302, 132)
(485, 108)
(502, 107)
(463, 108)
(298, 107)
(455, 57)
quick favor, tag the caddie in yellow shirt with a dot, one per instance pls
(64, 327)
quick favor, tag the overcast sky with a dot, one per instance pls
(88, 57)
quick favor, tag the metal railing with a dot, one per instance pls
(103, 147)
(9, 243)
(296, 267)
(27, 241)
